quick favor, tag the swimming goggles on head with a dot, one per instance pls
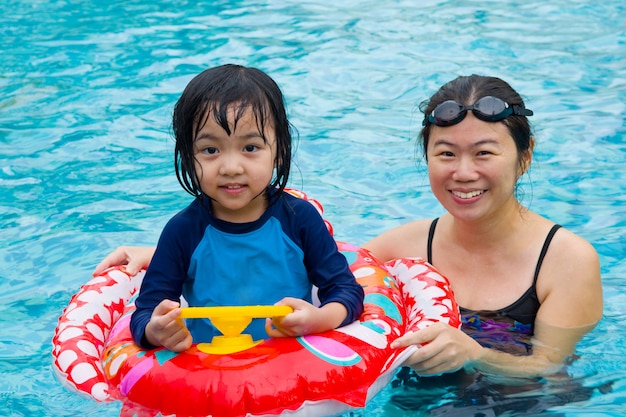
(488, 109)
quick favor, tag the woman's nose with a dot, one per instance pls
(465, 170)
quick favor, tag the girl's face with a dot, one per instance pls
(473, 167)
(234, 171)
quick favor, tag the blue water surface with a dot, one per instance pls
(87, 89)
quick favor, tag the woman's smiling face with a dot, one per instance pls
(473, 167)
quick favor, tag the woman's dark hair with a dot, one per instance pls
(214, 92)
(466, 90)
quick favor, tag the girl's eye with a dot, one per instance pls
(250, 148)
(210, 150)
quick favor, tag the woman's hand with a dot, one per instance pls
(442, 349)
(305, 319)
(135, 258)
(167, 329)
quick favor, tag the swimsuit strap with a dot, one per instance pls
(544, 249)
(429, 247)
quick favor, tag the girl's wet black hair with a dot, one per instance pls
(466, 90)
(211, 94)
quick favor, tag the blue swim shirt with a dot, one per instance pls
(211, 262)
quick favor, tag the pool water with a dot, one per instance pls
(87, 89)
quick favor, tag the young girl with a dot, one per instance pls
(243, 240)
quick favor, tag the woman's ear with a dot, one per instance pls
(528, 156)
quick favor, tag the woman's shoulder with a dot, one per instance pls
(419, 227)
(404, 241)
(570, 284)
(567, 245)
(567, 251)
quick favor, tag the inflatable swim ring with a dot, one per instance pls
(315, 375)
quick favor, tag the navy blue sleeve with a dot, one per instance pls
(166, 273)
(328, 269)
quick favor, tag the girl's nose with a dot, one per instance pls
(231, 165)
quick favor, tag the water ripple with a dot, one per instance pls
(86, 149)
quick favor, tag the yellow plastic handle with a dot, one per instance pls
(231, 321)
(230, 311)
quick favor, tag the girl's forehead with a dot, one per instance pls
(234, 112)
(235, 118)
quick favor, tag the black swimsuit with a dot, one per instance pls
(466, 392)
(519, 317)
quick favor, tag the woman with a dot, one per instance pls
(529, 289)
(515, 273)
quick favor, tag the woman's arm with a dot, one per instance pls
(446, 349)
(570, 292)
(135, 258)
(546, 358)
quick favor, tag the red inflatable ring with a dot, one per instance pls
(321, 374)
